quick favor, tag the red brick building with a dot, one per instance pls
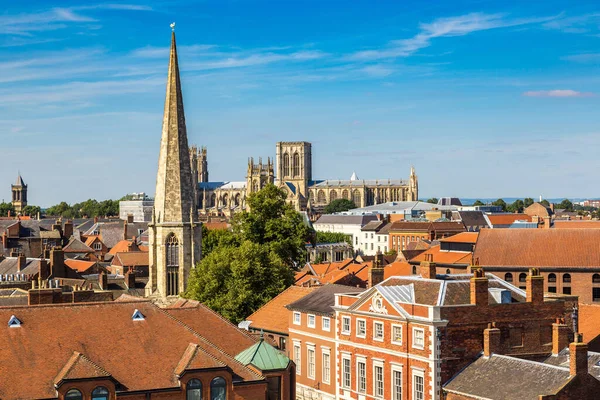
(407, 336)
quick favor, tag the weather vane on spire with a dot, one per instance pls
(173, 26)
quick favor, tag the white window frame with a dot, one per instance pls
(297, 314)
(376, 323)
(396, 326)
(298, 357)
(328, 327)
(364, 323)
(396, 369)
(363, 361)
(311, 349)
(326, 366)
(414, 338)
(349, 330)
(98, 246)
(346, 357)
(417, 374)
(378, 364)
(314, 320)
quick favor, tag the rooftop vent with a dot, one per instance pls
(137, 315)
(14, 322)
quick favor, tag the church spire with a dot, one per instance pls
(174, 184)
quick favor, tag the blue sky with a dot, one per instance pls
(484, 98)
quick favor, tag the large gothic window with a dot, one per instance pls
(172, 265)
(213, 200)
(286, 164)
(356, 197)
(332, 195)
(225, 200)
(296, 165)
(345, 195)
(321, 199)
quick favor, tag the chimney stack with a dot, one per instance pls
(68, 229)
(479, 287)
(535, 286)
(547, 223)
(4, 240)
(491, 340)
(57, 263)
(560, 336)
(130, 279)
(428, 268)
(125, 228)
(578, 356)
(21, 263)
(103, 280)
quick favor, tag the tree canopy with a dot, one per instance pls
(478, 203)
(89, 208)
(244, 268)
(5, 208)
(331, 237)
(433, 200)
(500, 203)
(339, 205)
(566, 204)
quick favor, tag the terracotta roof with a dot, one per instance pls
(538, 247)
(79, 265)
(141, 355)
(211, 325)
(589, 323)
(121, 247)
(463, 237)
(410, 226)
(273, 316)
(398, 268)
(132, 259)
(90, 240)
(80, 367)
(507, 219)
(444, 257)
(196, 358)
(576, 224)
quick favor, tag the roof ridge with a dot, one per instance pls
(66, 305)
(273, 299)
(530, 362)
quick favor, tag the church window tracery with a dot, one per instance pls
(321, 199)
(296, 165)
(286, 164)
(172, 247)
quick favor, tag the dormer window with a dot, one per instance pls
(14, 322)
(137, 315)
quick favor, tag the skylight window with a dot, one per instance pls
(137, 315)
(14, 322)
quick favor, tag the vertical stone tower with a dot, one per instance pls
(202, 165)
(413, 186)
(175, 234)
(259, 175)
(19, 194)
(294, 167)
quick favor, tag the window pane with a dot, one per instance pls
(100, 393)
(326, 367)
(73, 394)
(194, 390)
(419, 388)
(362, 377)
(378, 389)
(218, 389)
(397, 376)
(346, 372)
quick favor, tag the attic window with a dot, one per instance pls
(14, 322)
(137, 315)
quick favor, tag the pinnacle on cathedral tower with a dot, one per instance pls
(174, 234)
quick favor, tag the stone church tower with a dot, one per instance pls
(413, 185)
(174, 233)
(19, 194)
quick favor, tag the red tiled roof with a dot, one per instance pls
(132, 259)
(141, 355)
(79, 265)
(80, 367)
(589, 321)
(558, 224)
(463, 237)
(444, 257)
(508, 219)
(398, 268)
(273, 316)
(121, 247)
(538, 247)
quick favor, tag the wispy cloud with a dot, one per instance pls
(576, 24)
(583, 58)
(444, 27)
(557, 93)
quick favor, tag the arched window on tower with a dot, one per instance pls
(356, 197)
(213, 200)
(296, 165)
(286, 165)
(172, 246)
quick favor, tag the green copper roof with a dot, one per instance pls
(263, 356)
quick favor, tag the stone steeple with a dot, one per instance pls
(174, 234)
(19, 194)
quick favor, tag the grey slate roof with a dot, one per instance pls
(77, 246)
(112, 232)
(508, 378)
(471, 218)
(9, 266)
(357, 183)
(322, 299)
(345, 219)
(562, 360)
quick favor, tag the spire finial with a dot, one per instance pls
(172, 26)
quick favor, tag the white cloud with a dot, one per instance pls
(557, 93)
(444, 27)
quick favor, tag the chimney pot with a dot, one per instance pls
(491, 340)
(479, 287)
(535, 286)
(578, 360)
(560, 336)
(428, 269)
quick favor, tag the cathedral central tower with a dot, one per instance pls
(175, 234)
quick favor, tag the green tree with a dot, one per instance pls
(478, 203)
(332, 237)
(339, 205)
(274, 222)
(545, 202)
(236, 281)
(5, 208)
(527, 202)
(566, 204)
(500, 203)
(516, 207)
(390, 252)
(31, 210)
(432, 200)
(213, 238)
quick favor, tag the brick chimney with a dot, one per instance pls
(44, 271)
(479, 287)
(103, 280)
(4, 240)
(57, 263)
(68, 229)
(130, 279)
(376, 272)
(535, 286)
(560, 336)
(125, 223)
(133, 246)
(21, 263)
(578, 358)
(547, 223)
(428, 268)
(491, 340)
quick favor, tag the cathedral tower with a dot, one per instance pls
(174, 233)
(413, 186)
(202, 165)
(19, 195)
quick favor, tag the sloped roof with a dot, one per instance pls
(503, 377)
(472, 218)
(322, 299)
(264, 357)
(345, 219)
(538, 247)
(79, 265)
(562, 359)
(142, 356)
(77, 246)
(507, 219)
(444, 257)
(132, 259)
(80, 367)
(19, 181)
(463, 237)
(273, 316)
(196, 358)
(578, 224)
